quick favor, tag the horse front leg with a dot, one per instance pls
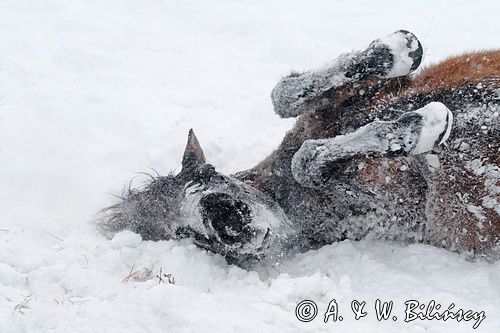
(323, 163)
(395, 55)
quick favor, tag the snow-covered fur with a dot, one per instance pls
(374, 152)
(412, 133)
(219, 212)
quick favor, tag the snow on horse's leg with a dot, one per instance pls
(318, 162)
(395, 55)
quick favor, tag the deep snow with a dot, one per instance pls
(93, 91)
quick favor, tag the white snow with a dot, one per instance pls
(477, 211)
(402, 61)
(491, 187)
(432, 161)
(437, 119)
(126, 238)
(93, 91)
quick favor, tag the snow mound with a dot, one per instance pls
(126, 238)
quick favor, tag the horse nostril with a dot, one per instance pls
(229, 217)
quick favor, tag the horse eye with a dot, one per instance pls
(205, 171)
(206, 168)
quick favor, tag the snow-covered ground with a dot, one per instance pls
(93, 91)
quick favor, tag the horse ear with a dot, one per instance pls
(193, 154)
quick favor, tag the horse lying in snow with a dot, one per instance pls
(374, 152)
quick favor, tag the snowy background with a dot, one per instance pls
(93, 91)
